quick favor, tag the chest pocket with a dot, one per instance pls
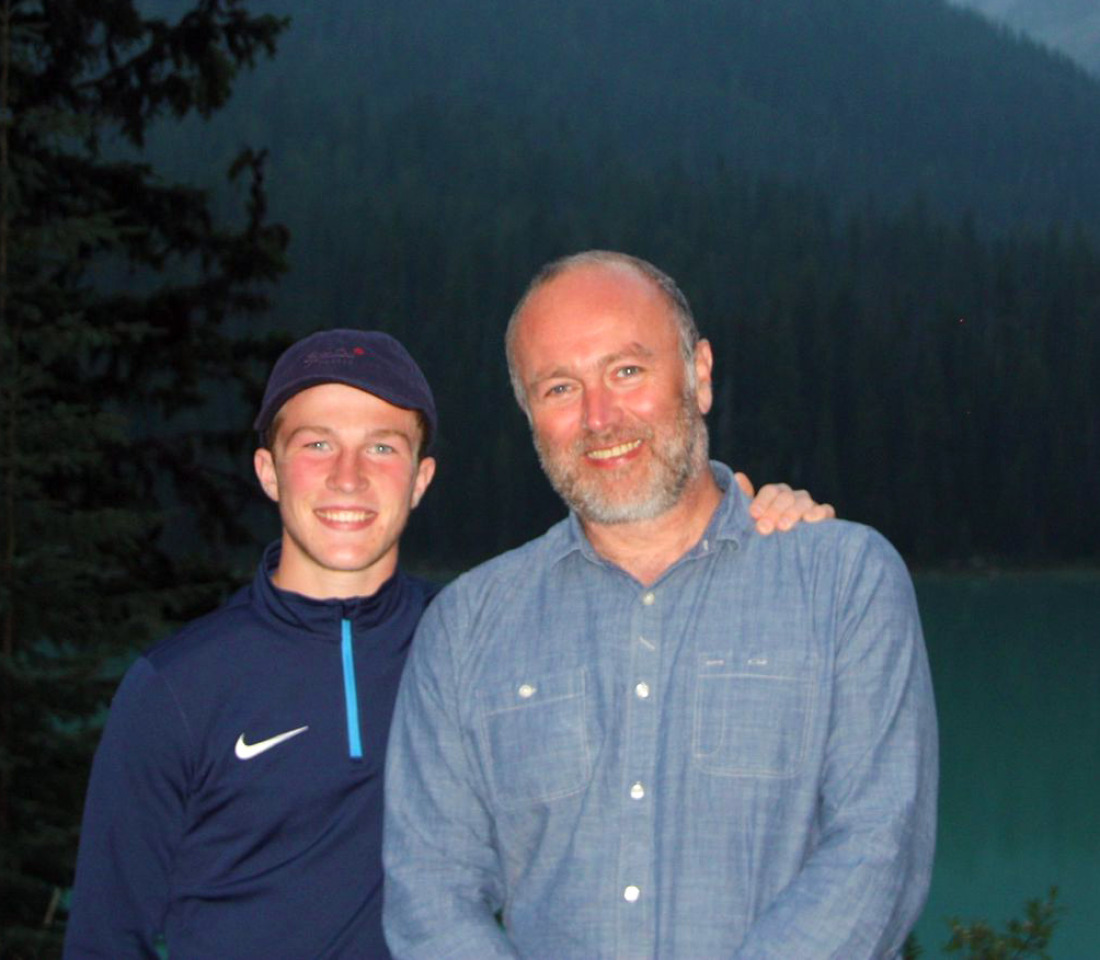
(752, 714)
(535, 738)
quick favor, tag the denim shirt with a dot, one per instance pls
(738, 761)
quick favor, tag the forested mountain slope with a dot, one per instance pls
(870, 202)
(866, 98)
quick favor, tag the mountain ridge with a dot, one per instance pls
(872, 100)
(1070, 26)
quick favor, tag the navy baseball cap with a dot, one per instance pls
(366, 359)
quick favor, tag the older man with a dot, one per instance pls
(652, 732)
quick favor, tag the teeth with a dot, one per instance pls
(344, 516)
(617, 451)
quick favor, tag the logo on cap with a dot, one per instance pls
(341, 356)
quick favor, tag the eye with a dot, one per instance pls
(383, 448)
(317, 445)
(558, 390)
(630, 370)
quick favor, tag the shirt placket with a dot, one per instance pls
(637, 909)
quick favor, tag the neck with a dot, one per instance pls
(647, 548)
(298, 575)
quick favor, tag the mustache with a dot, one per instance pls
(599, 439)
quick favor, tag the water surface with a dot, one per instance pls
(1016, 665)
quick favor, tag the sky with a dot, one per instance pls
(1070, 26)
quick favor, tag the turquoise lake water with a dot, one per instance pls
(1016, 664)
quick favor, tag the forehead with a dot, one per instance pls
(337, 406)
(594, 310)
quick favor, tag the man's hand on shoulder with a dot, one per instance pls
(778, 507)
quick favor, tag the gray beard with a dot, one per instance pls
(677, 460)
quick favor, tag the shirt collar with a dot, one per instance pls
(731, 522)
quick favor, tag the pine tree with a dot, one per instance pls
(115, 289)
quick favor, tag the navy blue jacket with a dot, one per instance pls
(235, 802)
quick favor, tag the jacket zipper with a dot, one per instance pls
(351, 696)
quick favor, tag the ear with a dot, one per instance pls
(704, 365)
(425, 471)
(264, 464)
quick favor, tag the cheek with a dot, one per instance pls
(556, 427)
(547, 440)
(395, 483)
(657, 410)
(648, 404)
(299, 476)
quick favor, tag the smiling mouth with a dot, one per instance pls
(608, 453)
(345, 516)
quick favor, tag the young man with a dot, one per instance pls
(235, 803)
(651, 732)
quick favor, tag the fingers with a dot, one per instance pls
(778, 507)
(745, 484)
(771, 506)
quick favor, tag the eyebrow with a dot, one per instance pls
(306, 428)
(377, 434)
(633, 350)
(383, 432)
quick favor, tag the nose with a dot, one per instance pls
(600, 409)
(348, 471)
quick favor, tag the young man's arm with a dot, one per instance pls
(133, 819)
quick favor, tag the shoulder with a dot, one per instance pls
(234, 619)
(858, 549)
(836, 564)
(419, 590)
(840, 544)
(497, 580)
(490, 600)
(867, 576)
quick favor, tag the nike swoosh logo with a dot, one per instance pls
(246, 751)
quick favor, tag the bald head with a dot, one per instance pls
(664, 285)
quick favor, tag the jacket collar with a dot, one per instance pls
(323, 617)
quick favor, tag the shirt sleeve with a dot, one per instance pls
(443, 883)
(863, 887)
(133, 821)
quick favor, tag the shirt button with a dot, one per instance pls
(526, 691)
(642, 690)
(649, 599)
(631, 894)
(637, 791)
